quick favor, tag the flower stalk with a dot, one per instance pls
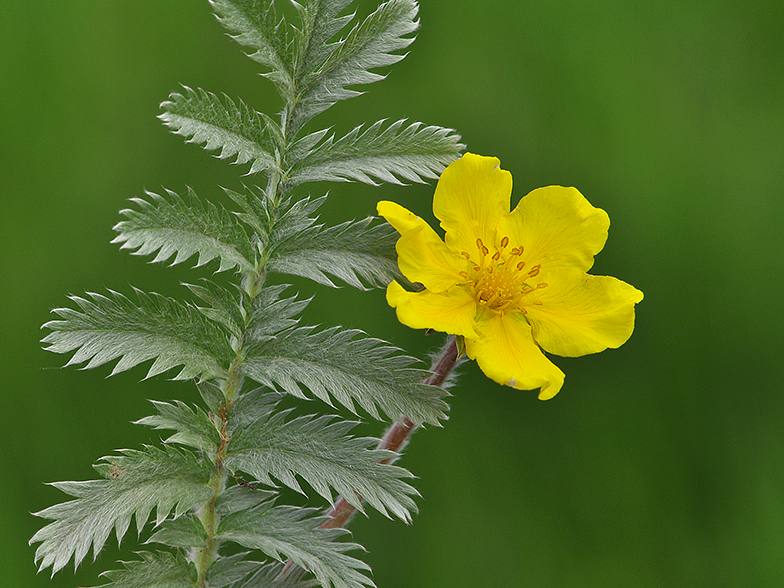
(395, 438)
(399, 433)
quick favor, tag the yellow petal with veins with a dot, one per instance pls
(512, 283)
(450, 312)
(422, 255)
(579, 314)
(557, 227)
(472, 195)
(506, 352)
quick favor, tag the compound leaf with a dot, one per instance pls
(238, 131)
(412, 153)
(254, 24)
(193, 427)
(180, 227)
(317, 448)
(269, 576)
(185, 531)
(154, 570)
(369, 45)
(291, 533)
(160, 328)
(234, 571)
(348, 366)
(356, 252)
(134, 483)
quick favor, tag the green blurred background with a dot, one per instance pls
(658, 464)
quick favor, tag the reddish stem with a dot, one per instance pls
(398, 434)
(395, 438)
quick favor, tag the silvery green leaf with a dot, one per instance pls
(369, 45)
(170, 332)
(356, 252)
(294, 218)
(320, 23)
(269, 576)
(238, 131)
(135, 482)
(225, 306)
(286, 532)
(193, 426)
(271, 314)
(395, 154)
(211, 393)
(185, 531)
(230, 571)
(259, 211)
(183, 227)
(254, 24)
(320, 451)
(154, 570)
(348, 366)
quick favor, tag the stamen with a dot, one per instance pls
(541, 285)
(495, 283)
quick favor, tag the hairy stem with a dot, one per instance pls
(395, 439)
(398, 434)
(205, 556)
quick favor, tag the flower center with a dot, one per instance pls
(498, 281)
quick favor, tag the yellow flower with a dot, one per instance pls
(510, 283)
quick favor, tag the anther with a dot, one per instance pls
(465, 254)
(521, 265)
(464, 275)
(496, 255)
(541, 285)
(504, 242)
(535, 270)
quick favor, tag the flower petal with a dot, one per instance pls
(557, 227)
(472, 195)
(581, 313)
(422, 255)
(506, 353)
(449, 312)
